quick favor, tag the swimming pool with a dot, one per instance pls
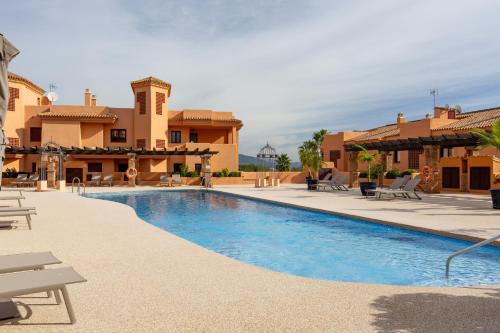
(308, 243)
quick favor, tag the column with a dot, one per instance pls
(431, 158)
(132, 159)
(353, 169)
(387, 159)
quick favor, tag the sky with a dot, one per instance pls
(285, 68)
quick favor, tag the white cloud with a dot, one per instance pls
(286, 67)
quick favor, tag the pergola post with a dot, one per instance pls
(206, 170)
(132, 158)
(353, 169)
(387, 165)
(464, 176)
(431, 158)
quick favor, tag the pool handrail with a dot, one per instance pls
(468, 249)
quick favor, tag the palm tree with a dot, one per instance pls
(310, 153)
(283, 162)
(366, 156)
(489, 139)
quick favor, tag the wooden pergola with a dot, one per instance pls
(109, 151)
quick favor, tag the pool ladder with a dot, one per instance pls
(78, 182)
(467, 249)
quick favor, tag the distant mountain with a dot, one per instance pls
(247, 159)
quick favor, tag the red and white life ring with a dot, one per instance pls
(426, 173)
(131, 172)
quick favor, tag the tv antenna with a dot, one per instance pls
(434, 92)
(52, 95)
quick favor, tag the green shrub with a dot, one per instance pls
(377, 170)
(234, 174)
(363, 174)
(224, 172)
(192, 174)
(393, 174)
(183, 170)
(10, 173)
(217, 174)
(408, 172)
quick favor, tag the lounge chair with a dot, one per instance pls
(46, 280)
(164, 180)
(13, 197)
(337, 183)
(26, 261)
(405, 192)
(31, 181)
(396, 184)
(95, 180)
(20, 180)
(16, 213)
(107, 180)
(324, 184)
(176, 179)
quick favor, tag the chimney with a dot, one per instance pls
(87, 97)
(93, 102)
(401, 118)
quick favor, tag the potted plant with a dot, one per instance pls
(491, 139)
(368, 158)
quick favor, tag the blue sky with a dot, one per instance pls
(286, 68)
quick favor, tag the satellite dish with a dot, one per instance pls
(52, 96)
(458, 108)
(446, 106)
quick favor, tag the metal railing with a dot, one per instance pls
(79, 183)
(467, 249)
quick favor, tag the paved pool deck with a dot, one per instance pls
(144, 279)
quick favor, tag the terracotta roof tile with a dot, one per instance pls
(471, 120)
(77, 112)
(378, 133)
(20, 79)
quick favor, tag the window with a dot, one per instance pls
(160, 143)
(334, 155)
(118, 135)
(35, 134)
(197, 167)
(94, 167)
(122, 167)
(13, 95)
(141, 143)
(397, 156)
(175, 137)
(160, 99)
(14, 142)
(413, 159)
(193, 137)
(33, 166)
(141, 99)
(446, 152)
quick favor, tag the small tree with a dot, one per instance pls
(283, 162)
(310, 153)
(366, 156)
(489, 139)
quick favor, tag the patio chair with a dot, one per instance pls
(95, 180)
(176, 179)
(324, 184)
(20, 180)
(395, 185)
(26, 261)
(107, 180)
(46, 280)
(164, 180)
(339, 182)
(405, 192)
(31, 181)
(16, 213)
(13, 197)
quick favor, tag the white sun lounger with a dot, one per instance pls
(26, 213)
(46, 280)
(26, 261)
(13, 197)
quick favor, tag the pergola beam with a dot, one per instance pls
(106, 151)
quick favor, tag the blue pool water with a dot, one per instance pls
(308, 243)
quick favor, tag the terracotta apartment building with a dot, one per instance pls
(440, 140)
(33, 121)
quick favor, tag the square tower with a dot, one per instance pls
(150, 113)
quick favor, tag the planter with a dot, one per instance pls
(363, 186)
(312, 184)
(495, 197)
